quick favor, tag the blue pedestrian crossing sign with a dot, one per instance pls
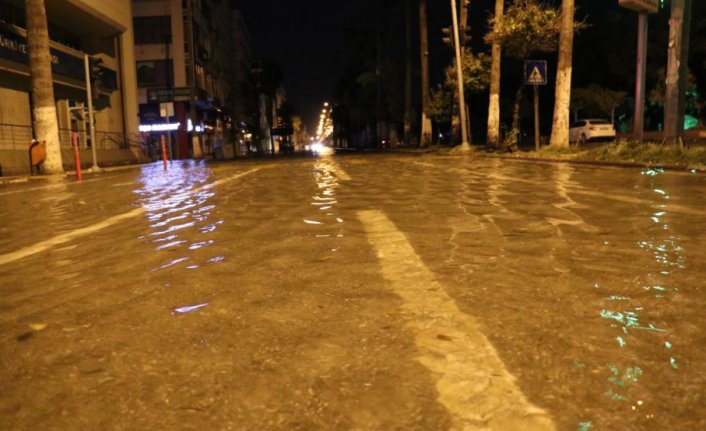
(536, 72)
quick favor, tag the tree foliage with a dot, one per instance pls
(596, 99)
(527, 26)
(439, 106)
(476, 72)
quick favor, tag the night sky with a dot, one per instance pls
(305, 37)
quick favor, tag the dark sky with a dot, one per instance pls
(305, 37)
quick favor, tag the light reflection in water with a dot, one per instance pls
(325, 175)
(179, 203)
(189, 308)
(667, 254)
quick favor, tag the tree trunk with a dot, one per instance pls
(494, 102)
(46, 127)
(677, 71)
(408, 139)
(425, 140)
(560, 124)
(516, 108)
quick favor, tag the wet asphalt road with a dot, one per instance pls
(379, 292)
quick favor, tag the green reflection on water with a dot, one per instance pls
(673, 363)
(621, 380)
(653, 172)
(629, 319)
(621, 342)
(585, 426)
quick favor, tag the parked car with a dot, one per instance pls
(591, 130)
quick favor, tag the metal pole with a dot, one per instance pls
(164, 151)
(192, 91)
(91, 127)
(536, 117)
(77, 157)
(168, 73)
(465, 146)
(639, 120)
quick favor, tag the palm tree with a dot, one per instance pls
(46, 127)
(494, 102)
(560, 124)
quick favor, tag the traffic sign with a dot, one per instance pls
(167, 94)
(649, 6)
(536, 72)
(166, 109)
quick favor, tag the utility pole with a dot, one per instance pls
(168, 77)
(639, 122)
(677, 71)
(408, 76)
(195, 143)
(378, 75)
(91, 125)
(643, 8)
(425, 137)
(465, 146)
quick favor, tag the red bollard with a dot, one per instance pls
(77, 158)
(164, 152)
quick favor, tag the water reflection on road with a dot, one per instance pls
(248, 293)
(588, 279)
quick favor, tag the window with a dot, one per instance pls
(12, 14)
(152, 29)
(155, 73)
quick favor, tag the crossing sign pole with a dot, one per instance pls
(536, 75)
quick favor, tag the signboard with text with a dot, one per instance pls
(14, 47)
(159, 95)
(649, 6)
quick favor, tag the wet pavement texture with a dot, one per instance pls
(253, 296)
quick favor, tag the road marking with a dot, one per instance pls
(334, 168)
(472, 381)
(81, 232)
(50, 186)
(66, 237)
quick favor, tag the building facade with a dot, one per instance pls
(97, 28)
(193, 74)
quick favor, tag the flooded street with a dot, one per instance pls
(378, 292)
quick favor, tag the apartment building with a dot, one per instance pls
(193, 73)
(97, 28)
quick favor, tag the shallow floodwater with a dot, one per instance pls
(246, 296)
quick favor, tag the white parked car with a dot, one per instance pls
(591, 130)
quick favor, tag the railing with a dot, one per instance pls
(18, 137)
(15, 137)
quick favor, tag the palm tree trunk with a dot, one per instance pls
(494, 102)
(46, 127)
(560, 124)
(425, 140)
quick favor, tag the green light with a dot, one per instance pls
(690, 122)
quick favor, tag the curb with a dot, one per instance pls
(641, 165)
